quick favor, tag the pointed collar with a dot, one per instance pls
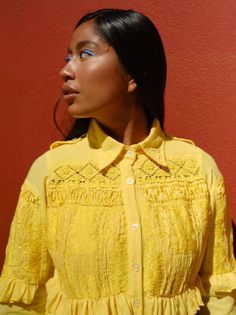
(107, 149)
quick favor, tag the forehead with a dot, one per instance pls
(85, 33)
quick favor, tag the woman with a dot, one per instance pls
(120, 218)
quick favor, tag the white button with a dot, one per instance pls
(134, 227)
(136, 303)
(130, 153)
(135, 267)
(130, 181)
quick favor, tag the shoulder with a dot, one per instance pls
(60, 152)
(67, 150)
(187, 150)
(66, 143)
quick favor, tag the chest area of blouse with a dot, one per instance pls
(101, 218)
(164, 200)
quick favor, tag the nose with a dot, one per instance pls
(67, 73)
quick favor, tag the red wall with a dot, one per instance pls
(200, 42)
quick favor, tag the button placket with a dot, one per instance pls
(131, 207)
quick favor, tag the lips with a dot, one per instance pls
(67, 89)
(69, 93)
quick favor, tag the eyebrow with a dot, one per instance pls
(81, 44)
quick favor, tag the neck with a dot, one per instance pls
(129, 129)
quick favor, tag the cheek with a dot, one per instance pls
(102, 75)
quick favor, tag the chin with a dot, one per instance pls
(76, 114)
(73, 110)
(76, 110)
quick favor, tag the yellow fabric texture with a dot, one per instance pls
(102, 228)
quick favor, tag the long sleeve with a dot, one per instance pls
(218, 272)
(27, 265)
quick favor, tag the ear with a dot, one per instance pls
(132, 85)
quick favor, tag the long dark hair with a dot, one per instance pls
(139, 48)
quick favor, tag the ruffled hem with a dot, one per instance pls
(223, 282)
(187, 303)
(58, 303)
(12, 291)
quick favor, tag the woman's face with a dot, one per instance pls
(96, 85)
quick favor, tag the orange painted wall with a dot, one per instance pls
(200, 42)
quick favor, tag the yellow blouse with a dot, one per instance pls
(102, 228)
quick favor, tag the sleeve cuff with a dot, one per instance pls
(12, 291)
(221, 283)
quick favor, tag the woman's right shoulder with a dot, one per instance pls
(63, 143)
(59, 153)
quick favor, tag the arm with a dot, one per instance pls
(218, 272)
(27, 265)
